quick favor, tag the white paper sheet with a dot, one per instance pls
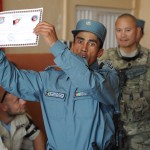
(16, 27)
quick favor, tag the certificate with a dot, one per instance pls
(16, 27)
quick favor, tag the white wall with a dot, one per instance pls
(144, 11)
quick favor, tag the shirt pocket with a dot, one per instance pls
(84, 106)
(55, 107)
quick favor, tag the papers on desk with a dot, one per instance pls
(16, 27)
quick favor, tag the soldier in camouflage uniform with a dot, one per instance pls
(135, 93)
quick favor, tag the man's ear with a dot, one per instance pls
(100, 52)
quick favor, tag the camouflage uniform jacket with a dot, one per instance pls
(135, 102)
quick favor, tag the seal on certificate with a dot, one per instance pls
(34, 18)
(16, 21)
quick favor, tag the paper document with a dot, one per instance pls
(16, 27)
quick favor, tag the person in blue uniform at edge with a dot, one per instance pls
(77, 101)
(140, 24)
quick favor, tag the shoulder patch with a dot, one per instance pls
(109, 64)
(106, 64)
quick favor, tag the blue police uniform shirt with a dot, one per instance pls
(77, 102)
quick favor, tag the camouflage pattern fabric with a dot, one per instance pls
(135, 101)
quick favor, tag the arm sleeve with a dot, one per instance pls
(103, 85)
(21, 83)
(32, 130)
(2, 146)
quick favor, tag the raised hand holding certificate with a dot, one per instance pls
(16, 27)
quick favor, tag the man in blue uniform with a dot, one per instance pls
(77, 101)
(140, 24)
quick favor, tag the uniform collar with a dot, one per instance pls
(94, 66)
(129, 58)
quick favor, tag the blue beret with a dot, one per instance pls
(140, 23)
(91, 26)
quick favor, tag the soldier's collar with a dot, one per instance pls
(129, 58)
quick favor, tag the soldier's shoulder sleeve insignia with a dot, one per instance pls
(106, 64)
(109, 64)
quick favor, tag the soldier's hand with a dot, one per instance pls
(47, 31)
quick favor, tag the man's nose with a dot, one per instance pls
(84, 47)
(22, 101)
(123, 33)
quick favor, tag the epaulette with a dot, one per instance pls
(51, 67)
